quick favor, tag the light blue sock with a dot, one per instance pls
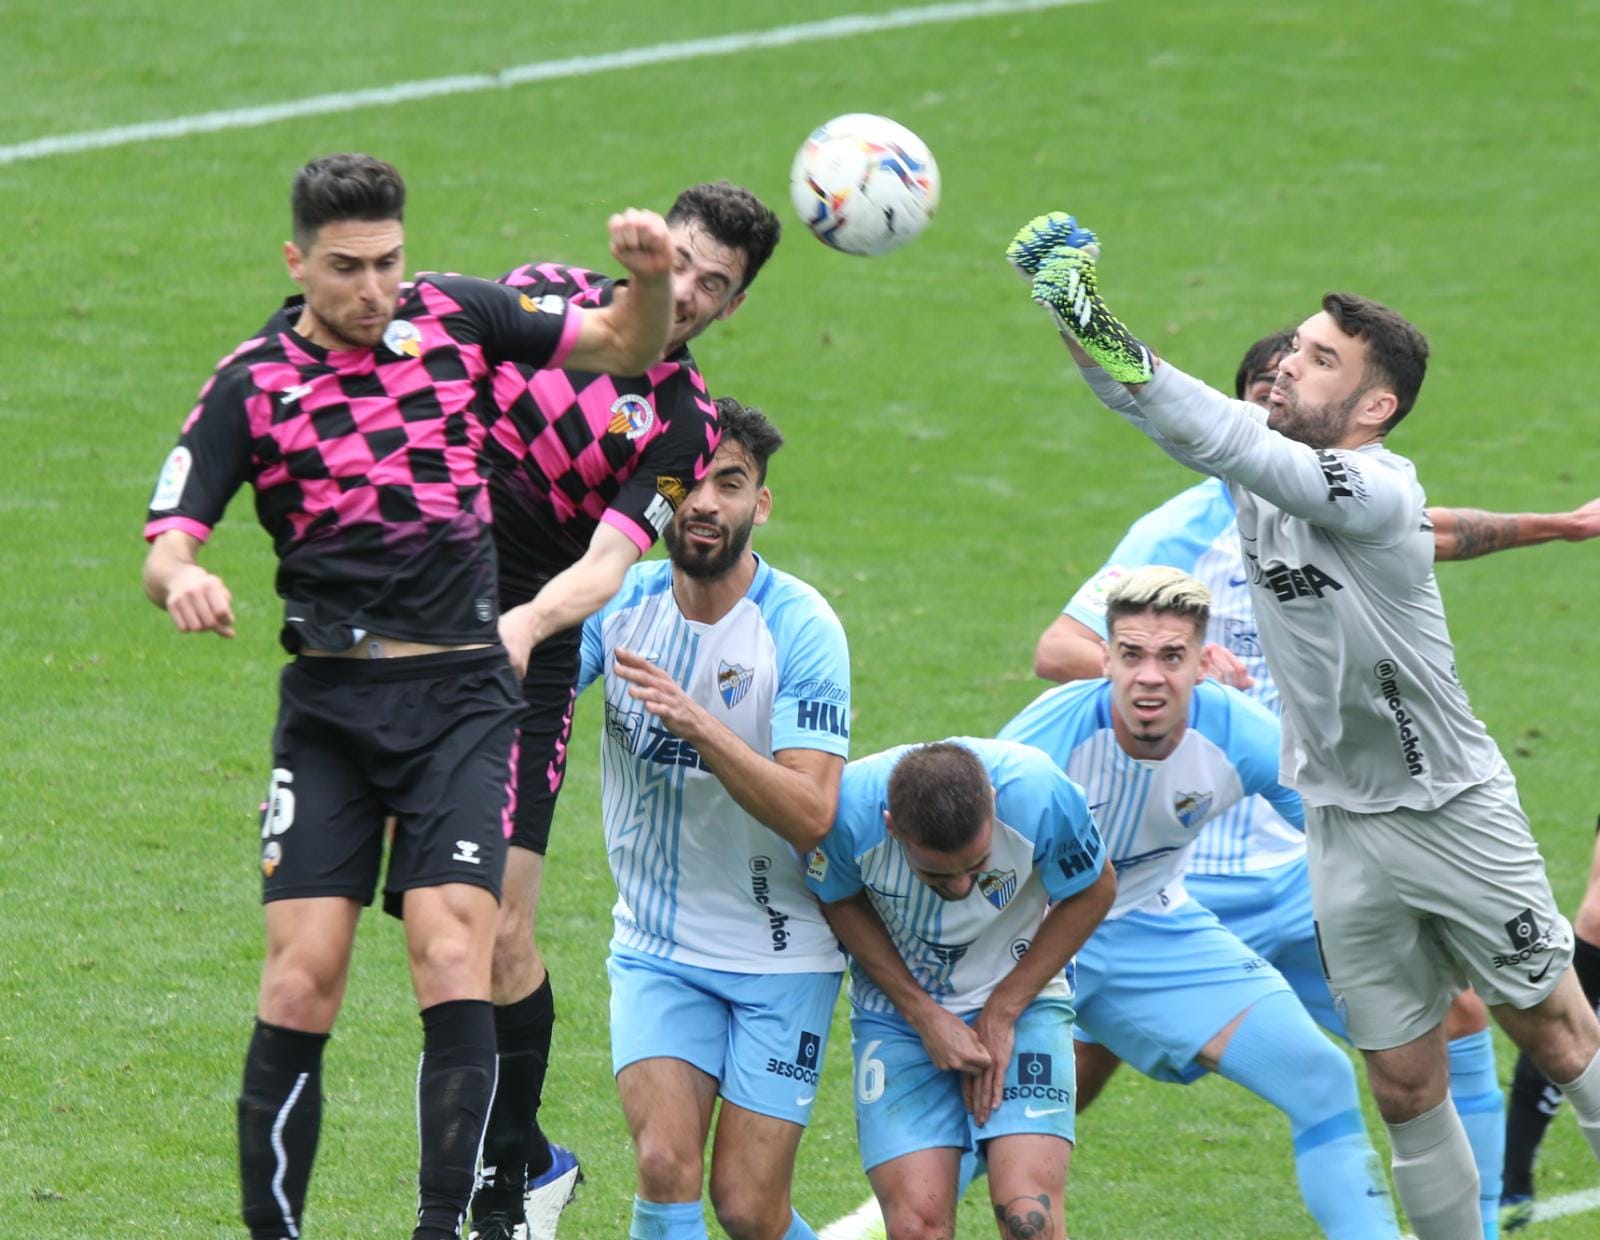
(1280, 1055)
(1475, 1089)
(798, 1230)
(667, 1220)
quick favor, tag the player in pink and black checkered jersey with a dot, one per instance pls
(351, 415)
(589, 468)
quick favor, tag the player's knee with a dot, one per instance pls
(911, 1222)
(1466, 1015)
(665, 1172)
(301, 994)
(750, 1211)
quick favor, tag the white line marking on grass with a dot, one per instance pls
(539, 71)
(1580, 1202)
(854, 1225)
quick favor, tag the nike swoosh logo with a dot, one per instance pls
(1243, 581)
(806, 1101)
(1034, 1113)
(1539, 976)
(1102, 805)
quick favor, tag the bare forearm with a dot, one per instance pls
(858, 927)
(796, 805)
(1466, 533)
(1069, 650)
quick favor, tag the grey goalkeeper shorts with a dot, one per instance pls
(1411, 905)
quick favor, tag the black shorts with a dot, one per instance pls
(430, 740)
(548, 691)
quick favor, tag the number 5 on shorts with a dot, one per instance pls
(870, 1073)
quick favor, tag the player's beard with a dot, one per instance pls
(1316, 426)
(709, 563)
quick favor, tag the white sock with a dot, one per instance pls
(1584, 1094)
(1435, 1175)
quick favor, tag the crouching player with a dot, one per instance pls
(961, 877)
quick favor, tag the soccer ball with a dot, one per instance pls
(864, 184)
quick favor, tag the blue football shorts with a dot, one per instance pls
(763, 1036)
(904, 1104)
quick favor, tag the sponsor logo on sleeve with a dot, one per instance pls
(1342, 475)
(548, 304)
(1091, 596)
(817, 865)
(658, 513)
(174, 474)
(671, 489)
(403, 338)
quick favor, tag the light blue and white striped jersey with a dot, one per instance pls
(698, 879)
(1045, 848)
(1150, 812)
(1196, 531)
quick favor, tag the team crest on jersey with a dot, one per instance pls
(548, 304)
(1191, 807)
(631, 415)
(733, 682)
(271, 855)
(403, 338)
(998, 886)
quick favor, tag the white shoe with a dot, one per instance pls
(548, 1195)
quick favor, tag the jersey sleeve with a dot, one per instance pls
(833, 871)
(576, 284)
(210, 462)
(1067, 849)
(811, 707)
(671, 464)
(1344, 491)
(1255, 741)
(511, 325)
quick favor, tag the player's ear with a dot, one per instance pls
(734, 303)
(888, 824)
(763, 506)
(1377, 408)
(295, 261)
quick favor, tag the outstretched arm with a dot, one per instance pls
(628, 336)
(571, 596)
(1466, 533)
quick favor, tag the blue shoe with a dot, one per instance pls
(548, 1195)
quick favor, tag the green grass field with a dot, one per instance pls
(946, 485)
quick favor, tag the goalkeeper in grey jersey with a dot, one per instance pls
(1424, 873)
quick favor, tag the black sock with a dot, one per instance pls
(516, 1146)
(1532, 1104)
(1586, 962)
(454, 1088)
(282, 1093)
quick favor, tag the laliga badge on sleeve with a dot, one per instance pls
(174, 474)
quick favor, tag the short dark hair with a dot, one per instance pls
(1397, 353)
(734, 217)
(940, 796)
(1258, 355)
(748, 426)
(344, 187)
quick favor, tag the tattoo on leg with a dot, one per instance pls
(1026, 1218)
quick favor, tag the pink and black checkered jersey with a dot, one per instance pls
(569, 449)
(367, 463)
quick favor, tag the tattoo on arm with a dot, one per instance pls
(1478, 533)
(1026, 1218)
